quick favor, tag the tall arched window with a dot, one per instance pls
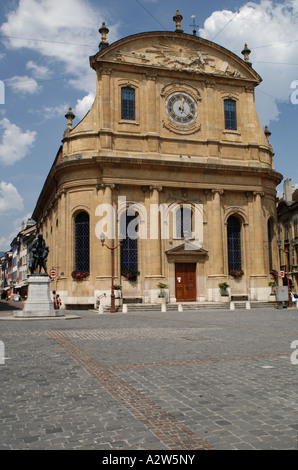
(184, 223)
(234, 244)
(230, 114)
(129, 242)
(128, 103)
(82, 242)
(270, 237)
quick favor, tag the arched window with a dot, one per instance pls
(184, 223)
(230, 114)
(128, 103)
(234, 244)
(270, 237)
(82, 242)
(129, 244)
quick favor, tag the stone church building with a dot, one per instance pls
(172, 164)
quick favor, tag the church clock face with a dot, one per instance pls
(181, 109)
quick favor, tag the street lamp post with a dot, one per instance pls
(112, 249)
(287, 252)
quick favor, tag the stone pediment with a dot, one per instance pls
(186, 250)
(176, 52)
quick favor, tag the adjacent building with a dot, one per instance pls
(14, 263)
(288, 234)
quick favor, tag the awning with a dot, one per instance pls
(21, 284)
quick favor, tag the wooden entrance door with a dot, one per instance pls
(185, 275)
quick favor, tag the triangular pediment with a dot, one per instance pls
(187, 248)
(178, 52)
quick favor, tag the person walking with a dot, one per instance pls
(58, 301)
(54, 299)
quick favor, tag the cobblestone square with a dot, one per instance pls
(205, 379)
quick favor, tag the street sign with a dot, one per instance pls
(282, 274)
(53, 273)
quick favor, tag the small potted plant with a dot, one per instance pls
(162, 296)
(117, 289)
(272, 284)
(223, 286)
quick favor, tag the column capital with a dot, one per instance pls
(110, 186)
(105, 70)
(155, 187)
(217, 191)
(259, 193)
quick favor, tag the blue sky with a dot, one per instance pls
(44, 65)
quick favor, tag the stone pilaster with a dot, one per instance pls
(155, 244)
(217, 233)
(259, 261)
(105, 253)
(105, 137)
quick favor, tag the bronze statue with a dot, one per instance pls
(39, 255)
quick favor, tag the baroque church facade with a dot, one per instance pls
(172, 164)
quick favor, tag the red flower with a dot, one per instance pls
(79, 275)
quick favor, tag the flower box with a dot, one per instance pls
(130, 274)
(79, 275)
(236, 273)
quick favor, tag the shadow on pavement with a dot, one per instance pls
(10, 305)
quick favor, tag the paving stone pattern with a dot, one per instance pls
(207, 380)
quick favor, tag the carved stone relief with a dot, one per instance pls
(178, 54)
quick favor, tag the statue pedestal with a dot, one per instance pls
(39, 302)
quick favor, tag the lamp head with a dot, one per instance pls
(102, 238)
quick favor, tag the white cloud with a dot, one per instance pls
(10, 199)
(15, 143)
(84, 105)
(38, 71)
(64, 31)
(50, 112)
(23, 85)
(80, 110)
(262, 24)
(5, 241)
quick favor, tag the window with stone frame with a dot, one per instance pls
(128, 105)
(286, 232)
(82, 242)
(270, 239)
(234, 244)
(295, 221)
(184, 222)
(129, 242)
(230, 114)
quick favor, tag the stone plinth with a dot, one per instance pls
(39, 302)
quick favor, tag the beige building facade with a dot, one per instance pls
(172, 162)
